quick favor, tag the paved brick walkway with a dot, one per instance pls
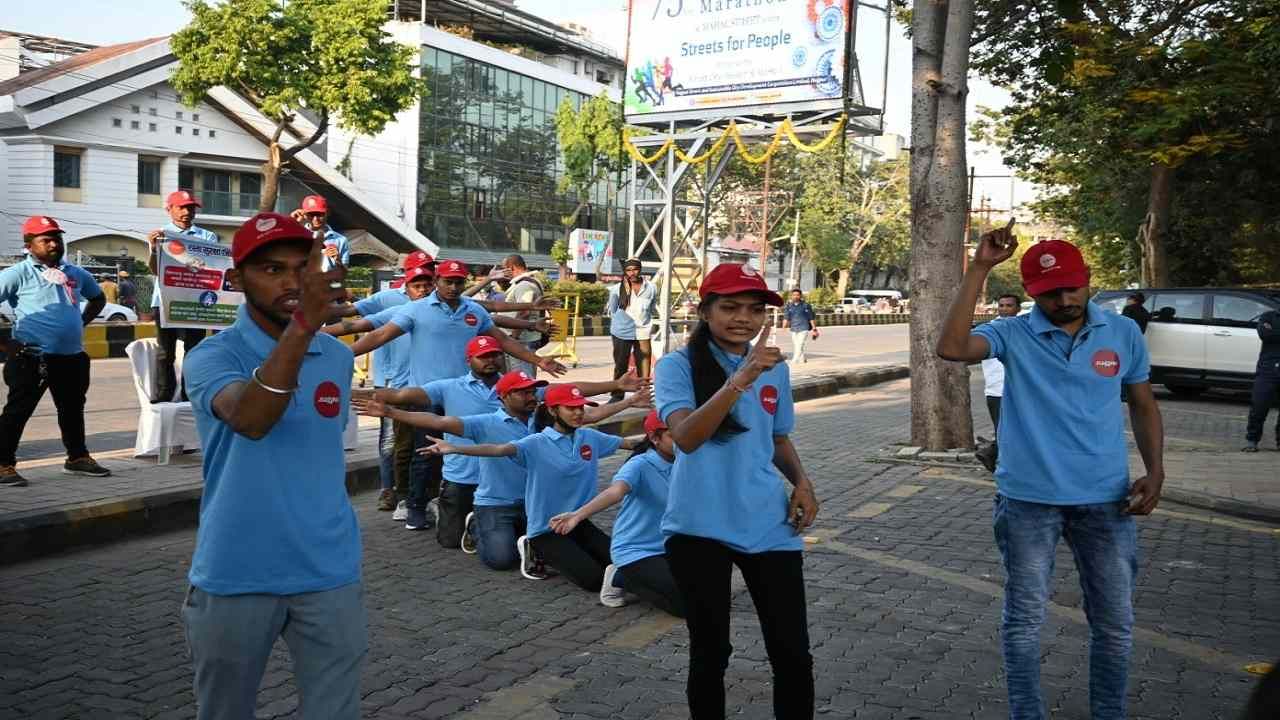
(904, 600)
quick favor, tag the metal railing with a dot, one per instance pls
(217, 202)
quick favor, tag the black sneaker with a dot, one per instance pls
(9, 477)
(417, 519)
(1251, 447)
(468, 535)
(85, 466)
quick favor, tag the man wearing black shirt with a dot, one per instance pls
(1134, 310)
(1266, 383)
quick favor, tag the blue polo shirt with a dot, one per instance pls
(1061, 431)
(275, 518)
(728, 490)
(47, 315)
(193, 232)
(621, 324)
(394, 356)
(560, 472)
(637, 533)
(462, 396)
(333, 237)
(439, 335)
(502, 479)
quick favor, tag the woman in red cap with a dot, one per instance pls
(561, 463)
(728, 404)
(639, 560)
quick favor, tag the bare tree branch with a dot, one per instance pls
(1004, 27)
(321, 127)
(1175, 16)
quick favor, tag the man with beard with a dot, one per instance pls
(314, 215)
(1063, 470)
(46, 350)
(278, 548)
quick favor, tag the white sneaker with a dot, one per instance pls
(401, 512)
(610, 596)
(531, 566)
(468, 538)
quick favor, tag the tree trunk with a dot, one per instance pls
(940, 412)
(270, 180)
(842, 283)
(1155, 260)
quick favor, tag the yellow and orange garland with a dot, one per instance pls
(731, 133)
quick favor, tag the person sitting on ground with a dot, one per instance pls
(639, 559)
(502, 414)
(561, 463)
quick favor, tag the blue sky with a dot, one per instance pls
(85, 21)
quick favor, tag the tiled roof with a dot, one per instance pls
(72, 64)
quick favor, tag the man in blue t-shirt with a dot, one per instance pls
(1063, 468)
(314, 215)
(46, 350)
(278, 547)
(181, 206)
(799, 318)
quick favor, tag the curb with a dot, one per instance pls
(27, 536)
(1225, 506)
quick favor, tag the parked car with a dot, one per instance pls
(1201, 338)
(853, 304)
(111, 312)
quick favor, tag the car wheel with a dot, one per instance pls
(1185, 391)
(118, 317)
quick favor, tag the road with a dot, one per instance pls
(111, 414)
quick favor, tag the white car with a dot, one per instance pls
(853, 304)
(111, 312)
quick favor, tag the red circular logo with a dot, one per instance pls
(769, 399)
(1106, 363)
(585, 452)
(177, 247)
(471, 319)
(328, 399)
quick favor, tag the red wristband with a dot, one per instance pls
(301, 319)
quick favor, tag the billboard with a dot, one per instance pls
(194, 291)
(590, 251)
(692, 59)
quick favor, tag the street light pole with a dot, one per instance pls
(795, 253)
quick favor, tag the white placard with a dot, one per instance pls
(591, 251)
(194, 292)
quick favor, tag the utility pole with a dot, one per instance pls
(764, 224)
(795, 253)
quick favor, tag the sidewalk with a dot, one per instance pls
(1222, 479)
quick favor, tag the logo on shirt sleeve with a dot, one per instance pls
(328, 399)
(1106, 363)
(769, 399)
(585, 452)
(471, 319)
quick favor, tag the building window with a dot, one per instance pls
(151, 112)
(149, 175)
(195, 131)
(151, 127)
(186, 178)
(135, 109)
(250, 189)
(66, 174)
(117, 122)
(135, 125)
(177, 129)
(479, 203)
(195, 117)
(213, 133)
(178, 115)
(215, 186)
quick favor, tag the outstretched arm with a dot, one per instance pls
(641, 399)
(375, 407)
(564, 523)
(627, 383)
(517, 349)
(487, 450)
(347, 326)
(376, 339)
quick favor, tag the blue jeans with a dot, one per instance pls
(425, 473)
(1104, 542)
(386, 453)
(496, 528)
(230, 639)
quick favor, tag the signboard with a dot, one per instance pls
(689, 59)
(194, 292)
(591, 251)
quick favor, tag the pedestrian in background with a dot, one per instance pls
(314, 215)
(110, 290)
(1266, 381)
(1135, 310)
(630, 311)
(524, 288)
(729, 408)
(1063, 470)
(799, 318)
(46, 350)
(181, 206)
(278, 547)
(128, 291)
(1007, 306)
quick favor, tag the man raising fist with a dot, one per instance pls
(278, 549)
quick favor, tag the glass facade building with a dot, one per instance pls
(489, 164)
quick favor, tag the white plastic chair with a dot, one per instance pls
(163, 427)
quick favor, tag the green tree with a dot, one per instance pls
(330, 58)
(591, 147)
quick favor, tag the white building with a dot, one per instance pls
(98, 139)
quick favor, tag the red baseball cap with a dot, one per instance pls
(40, 225)
(451, 268)
(482, 345)
(417, 258)
(653, 423)
(567, 395)
(264, 229)
(181, 198)
(414, 273)
(315, 204)
(516, 380)
(1051, 265)
(732, 278)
